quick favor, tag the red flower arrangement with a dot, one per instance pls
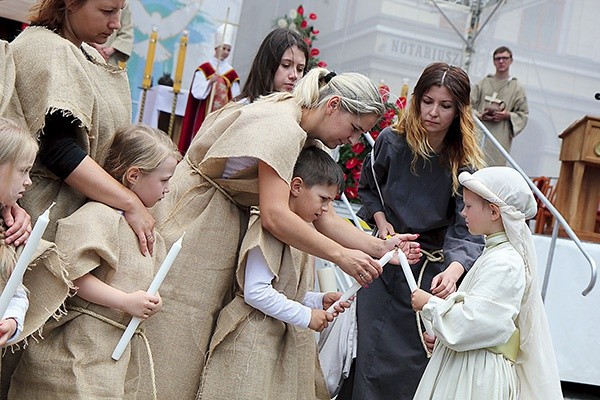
(351, 157)
(297, 20)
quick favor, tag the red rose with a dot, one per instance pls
(358, 148)
(314, 52)
(351, 192)
(374, 134)
(384, 91)
(351, 163)
(300, 10)
(321, 64)
(304, 24)
(401, 102)
(307, 41)
(356, 174)
(315, 31)
(312, 16)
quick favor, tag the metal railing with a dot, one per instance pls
(558, 218)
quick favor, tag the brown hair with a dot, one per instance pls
(502, 49)
(461, 148)
(267, 60)
(52, 13)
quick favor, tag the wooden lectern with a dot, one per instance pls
(578, 187)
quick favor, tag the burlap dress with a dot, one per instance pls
(46, 282)
(53, 75)
(201, 280)
(7, 84)
(254, 356)
(74, 360)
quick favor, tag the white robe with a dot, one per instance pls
(481, 314)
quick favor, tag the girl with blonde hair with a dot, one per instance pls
(111, 278)
(410, 184)
(48, 286)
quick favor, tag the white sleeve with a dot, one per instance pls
(235, 89)
(17, 308)
(200, 87)
(314, 300)
(260, 294)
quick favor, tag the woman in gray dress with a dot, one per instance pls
(416, 167)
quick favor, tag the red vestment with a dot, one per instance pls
(196, 110)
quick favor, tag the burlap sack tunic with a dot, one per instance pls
(74, 360)
(48, 287)
(201, 280)
(53, 75)
(7, 84)
(254, 356)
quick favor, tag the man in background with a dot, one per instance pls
(500, 102)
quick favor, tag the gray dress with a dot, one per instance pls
(390, 357)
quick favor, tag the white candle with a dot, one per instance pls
(16, 277)
(354, 288)
(412, 284)
(156, 282)
(327, 280)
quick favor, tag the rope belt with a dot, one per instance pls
(213, 183)
(434, 256)
(138, 331)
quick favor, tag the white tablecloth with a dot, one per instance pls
(574, 319)
(160, 98)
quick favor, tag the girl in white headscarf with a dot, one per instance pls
(493, 340)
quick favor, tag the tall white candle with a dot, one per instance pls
(327, 280)
(354, 288)
(16, 277)
(412, 284)
(156, 282)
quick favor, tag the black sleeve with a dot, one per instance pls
(59, 151)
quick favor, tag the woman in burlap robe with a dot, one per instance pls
(74, 359)
(7, 76)
(62, 80)
(210, 197)
(254, 356)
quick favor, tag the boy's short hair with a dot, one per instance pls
(317, 167)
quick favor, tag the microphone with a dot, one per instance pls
(597, 96)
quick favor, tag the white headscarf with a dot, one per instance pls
(536, 363)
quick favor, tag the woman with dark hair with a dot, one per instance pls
(278, 64)
(412, 186)
(73, 102)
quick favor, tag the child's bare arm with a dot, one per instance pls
(138, 304)
(444, 283)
